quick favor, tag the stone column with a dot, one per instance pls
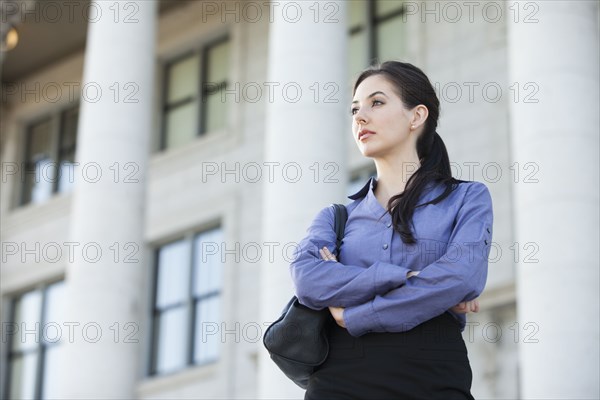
(305, 128)
(106, 290)
(555, 125)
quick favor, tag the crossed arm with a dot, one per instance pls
(386, 297)
(338, 312)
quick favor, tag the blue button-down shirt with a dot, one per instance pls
(369, 277)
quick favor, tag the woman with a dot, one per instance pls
(414, 256)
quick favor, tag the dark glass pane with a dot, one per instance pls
(218, 62)
(215, 111)
(68, 140)
(357, 13)
(54, 311)
(27, 320)
(23, 376)
(358, 53)
(40, 168)
(390, 39)
(171, 354)
(208, 329)
(208, 266)
(182, 79)
(51, 371)
(181, 125)
(385, 7)
(173, 273)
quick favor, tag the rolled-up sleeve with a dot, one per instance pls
(459, 275)
(320, 284)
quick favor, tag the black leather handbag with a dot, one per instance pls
(298, 341)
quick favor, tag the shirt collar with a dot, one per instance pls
(371, 184)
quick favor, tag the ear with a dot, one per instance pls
(419, 116)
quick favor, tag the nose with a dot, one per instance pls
(360, 117)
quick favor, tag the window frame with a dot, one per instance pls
(202, 53)
(56, 119)
(204, 78)
(40, 348)
(370, 26)
(190, 304)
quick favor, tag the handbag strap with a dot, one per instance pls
(341, 216)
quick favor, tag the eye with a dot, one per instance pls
(354, 109)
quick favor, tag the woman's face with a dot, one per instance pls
(378, 109)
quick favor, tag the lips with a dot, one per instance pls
(364, 134)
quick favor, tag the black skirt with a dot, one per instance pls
(428, 362)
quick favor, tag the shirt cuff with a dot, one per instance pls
(361, 319)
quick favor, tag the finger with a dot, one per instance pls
(329, 255)
(474, 305)
(323, 256)
(459, 308)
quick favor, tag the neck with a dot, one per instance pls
(394, 172)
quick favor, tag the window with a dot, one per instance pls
(193, 103)
(376, 32)
(49, 156)
(33, 335)
(187, 302)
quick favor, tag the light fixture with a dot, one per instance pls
(10, 40)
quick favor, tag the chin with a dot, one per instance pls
(369, 151)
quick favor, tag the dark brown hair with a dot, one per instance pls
(414, 88)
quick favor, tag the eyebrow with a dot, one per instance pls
(371, 95)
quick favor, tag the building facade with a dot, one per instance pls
(161, 159)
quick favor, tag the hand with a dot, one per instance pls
(326, 254)
(338, 315)
(466, 306)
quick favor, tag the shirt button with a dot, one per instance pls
(389, 224)
(385, 246)
(486, 242)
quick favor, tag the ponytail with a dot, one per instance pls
(435, 167)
